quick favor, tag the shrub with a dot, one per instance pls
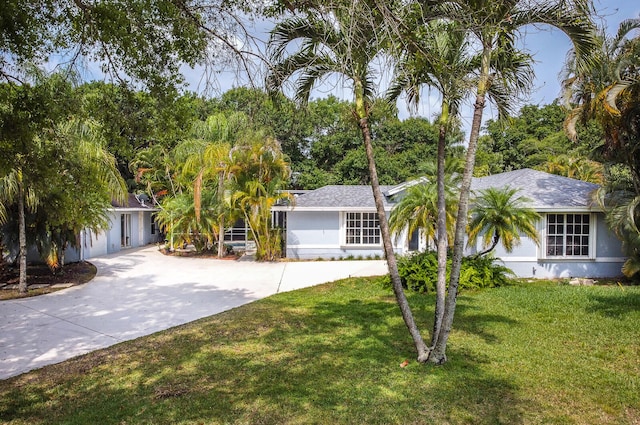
(419, 272)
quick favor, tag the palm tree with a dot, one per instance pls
(608, 88)
(499, 216)
(177, 216)
(211, 161)
(622, 215)
(91, 181)
(155, 168)
(12, 190)
(258, 171)
(609, 92)
(437, 58)
(494, 25)
(576, 168)
(344, 40)
(418, 208)
(418, 211)
(81, 180)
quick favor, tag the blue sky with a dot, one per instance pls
(550, 47)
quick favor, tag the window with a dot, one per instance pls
(125, 230)
(362, 229)
(237, 233)
(568, 235)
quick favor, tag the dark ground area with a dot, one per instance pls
(40, 280)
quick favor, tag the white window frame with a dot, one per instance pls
(362, 217)
(545, 234)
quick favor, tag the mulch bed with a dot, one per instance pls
(40, 280)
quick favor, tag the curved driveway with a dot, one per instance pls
(139, 292)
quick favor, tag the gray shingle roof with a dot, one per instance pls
(546, 191)
(337, 197)
(133, 201)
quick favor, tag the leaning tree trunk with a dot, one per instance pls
(441, 284)
(438, 354)
(494, 242)
(407, 315)
(22, 231)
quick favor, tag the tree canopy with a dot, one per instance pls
(56, 177)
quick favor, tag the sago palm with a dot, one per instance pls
(499, 216)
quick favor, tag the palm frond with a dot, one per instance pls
(611, 94)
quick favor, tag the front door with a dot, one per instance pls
(125, 230)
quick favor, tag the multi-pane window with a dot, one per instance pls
(568, 235)
(362, 229)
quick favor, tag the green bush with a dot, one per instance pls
(419, 272)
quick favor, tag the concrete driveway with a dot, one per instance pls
(139, 292)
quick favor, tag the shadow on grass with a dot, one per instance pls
(474, 320)
(332, 360)
(614, 303)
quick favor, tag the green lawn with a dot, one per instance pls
(531, 354)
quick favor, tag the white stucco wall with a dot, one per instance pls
(525, 260)
(318, 234)
(109, 240)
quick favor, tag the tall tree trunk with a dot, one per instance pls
(22, 231)
(407, 315)
(441, 284)
(221, 219)
(438, 354)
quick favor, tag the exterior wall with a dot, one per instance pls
(525, 259)
(318, 234)
(607, 245)
(109, 241)
(113, 233)
(544, 269)
(95, 245)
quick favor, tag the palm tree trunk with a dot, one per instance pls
(438, 354)
(22, 230)
(494, 242)
(407, 315)
(441, 284)
(221, 219)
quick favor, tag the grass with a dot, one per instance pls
(528, 354)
